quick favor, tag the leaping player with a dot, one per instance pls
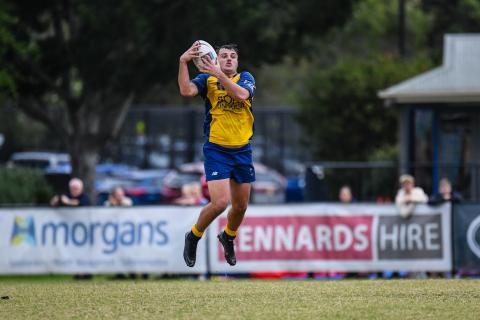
(228, 129)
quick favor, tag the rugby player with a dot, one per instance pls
(228, 129)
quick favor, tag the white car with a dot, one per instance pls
(39, 159)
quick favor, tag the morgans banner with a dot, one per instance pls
(96, 240)
(338, 237)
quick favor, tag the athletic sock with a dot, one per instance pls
(195, 234)
(231, 234)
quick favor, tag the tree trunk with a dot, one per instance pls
(84, 158)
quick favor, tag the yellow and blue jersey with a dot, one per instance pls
(227, 122)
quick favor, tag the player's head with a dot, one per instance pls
(228, 58)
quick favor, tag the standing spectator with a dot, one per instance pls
(446, 193)
(117, 198)
(406, 199)
(409, 196)
(74, 198)
(345, 194)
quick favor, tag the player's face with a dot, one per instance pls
(228, 60)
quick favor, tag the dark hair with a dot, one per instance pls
(230, 46)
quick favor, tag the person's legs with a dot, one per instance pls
(219, 200)
(240, 196)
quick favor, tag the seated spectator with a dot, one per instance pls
(191, 195)
(446, 193)
(74, 198)
(345, 194)
(409, 196)
(117, 198)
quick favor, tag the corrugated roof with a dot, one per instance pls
(457, 80)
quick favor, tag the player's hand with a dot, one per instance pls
(211, 67)
(191, 53)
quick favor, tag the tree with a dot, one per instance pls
(76, 66)
(450, 16)
(342, 116)
(340, 110)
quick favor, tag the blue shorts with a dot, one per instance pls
(228, 163)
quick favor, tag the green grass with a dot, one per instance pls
(63, 298)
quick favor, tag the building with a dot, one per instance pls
(440, 119)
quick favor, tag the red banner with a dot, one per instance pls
(304, 237)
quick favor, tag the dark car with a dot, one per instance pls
(142, 186)
(269, 186)
(177, 178)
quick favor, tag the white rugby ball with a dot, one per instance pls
(204, 50)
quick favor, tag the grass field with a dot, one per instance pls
(63, 298)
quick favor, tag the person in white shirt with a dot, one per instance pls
(409, 196)
(117, 198)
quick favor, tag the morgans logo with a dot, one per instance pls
(23, 231)
(109, 236)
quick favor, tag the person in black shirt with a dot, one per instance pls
(445, 193)
(74, 198)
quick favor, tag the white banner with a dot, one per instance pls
(336, 237)
(97, 240)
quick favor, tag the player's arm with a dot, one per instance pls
(187, 88)
(234, 90)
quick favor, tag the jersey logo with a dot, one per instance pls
(227, 103)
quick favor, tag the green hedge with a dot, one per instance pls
(23, 186)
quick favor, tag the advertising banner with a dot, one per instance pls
(466, 222)
(326, 237)
(96, 240)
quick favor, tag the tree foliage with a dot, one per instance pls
(82, 63)
(24, 186)
(342, 116)
(341, 112)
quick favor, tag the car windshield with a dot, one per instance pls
(182, 178)
(265, 177)
(41, 164)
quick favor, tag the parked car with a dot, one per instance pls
(269, 186)
(39, 159)
(177, 178)
(104, 185)
(142, 186)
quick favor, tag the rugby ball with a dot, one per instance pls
(205, 49)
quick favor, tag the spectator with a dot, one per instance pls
(191, 195)
(345, 194)
(409, 196)
(74, 198)
(117, 198)
(445, 193)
